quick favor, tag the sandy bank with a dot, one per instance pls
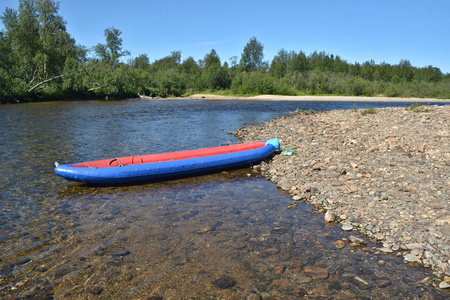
(310, 98)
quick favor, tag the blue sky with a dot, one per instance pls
(356, 30)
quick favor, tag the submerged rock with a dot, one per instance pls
(362, 283)
(224, 282)
(316, 272)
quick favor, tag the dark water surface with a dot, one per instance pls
(221, 236)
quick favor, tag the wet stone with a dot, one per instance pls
(224, 282)
(339, 244)
(279, 269)
(329, 216)
(94, 290)
(316, 272)
(254, 297)
(285, 184)
(411, 258)
(383, 283)
(22, 261)
(272, 251)
(362, 283)
(119, 253)
(347, 227)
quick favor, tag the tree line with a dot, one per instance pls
(39, 60)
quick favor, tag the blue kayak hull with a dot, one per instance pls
(164, 170)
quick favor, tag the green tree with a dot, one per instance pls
(192, 72)
(140, 62)
(299, 62)
(22, 32)
(56, 43)
(212, 59)
(35, 45)
(252, 57)
(166, 63)
(280, 63)
(367, 70)
(112, 50)
(214, 75)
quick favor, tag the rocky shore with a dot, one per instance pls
(382, 172)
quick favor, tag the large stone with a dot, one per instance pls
(285, 184)
(356, 240)
(411, 258)
(330, 216)
(420, 246)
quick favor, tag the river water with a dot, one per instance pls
(229, 235)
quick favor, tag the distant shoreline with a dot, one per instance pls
(306, 98)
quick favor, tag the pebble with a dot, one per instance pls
(444, 285)
(296, 198)
(386, 173)
(339, 244)
(385, 250)
(347, 227)
(279, 270)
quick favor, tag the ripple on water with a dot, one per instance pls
(217, 236)
(180, 238)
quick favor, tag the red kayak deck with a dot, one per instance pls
(152, 158)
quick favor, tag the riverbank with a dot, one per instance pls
(384, 174)
(306, 98)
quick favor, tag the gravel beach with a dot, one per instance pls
(382, 172)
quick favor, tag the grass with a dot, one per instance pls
(306, 112)
(368, 111)
(418, 108)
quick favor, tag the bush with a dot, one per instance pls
(418, 108)
(368, 111)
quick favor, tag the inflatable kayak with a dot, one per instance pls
(167, 165)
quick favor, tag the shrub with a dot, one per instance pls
(368, 111)
(418, 108)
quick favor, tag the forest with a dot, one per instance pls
(40, 61)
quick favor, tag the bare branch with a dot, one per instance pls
(97, 88)
(34, 74)
(45, 81)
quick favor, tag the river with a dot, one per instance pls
(219, 236)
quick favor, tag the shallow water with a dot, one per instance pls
(176, 239)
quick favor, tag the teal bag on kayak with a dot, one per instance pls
(275, 143)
